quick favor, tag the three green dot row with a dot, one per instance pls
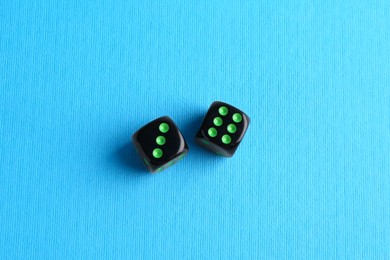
(223, 111)
(160, 140)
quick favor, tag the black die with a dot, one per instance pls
(222, 129)
(160, 144)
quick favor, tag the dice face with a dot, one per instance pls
(222, 129)
(160, 144)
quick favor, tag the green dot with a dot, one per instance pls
(223, 111)
(157, 153)
(212, 132)
(218, 121)
(231, 128)
(226, 139)
(164, 127)
(160, 140)
(237, 117)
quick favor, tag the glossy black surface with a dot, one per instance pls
(215, 144)
(173, 150)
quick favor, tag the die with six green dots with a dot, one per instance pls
(222, 129)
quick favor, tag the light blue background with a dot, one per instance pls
(311, 178)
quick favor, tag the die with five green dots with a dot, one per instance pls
(160, 144)
(222, 129)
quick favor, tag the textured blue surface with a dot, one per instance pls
(310, 180)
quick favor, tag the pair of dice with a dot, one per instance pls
(161, 144)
